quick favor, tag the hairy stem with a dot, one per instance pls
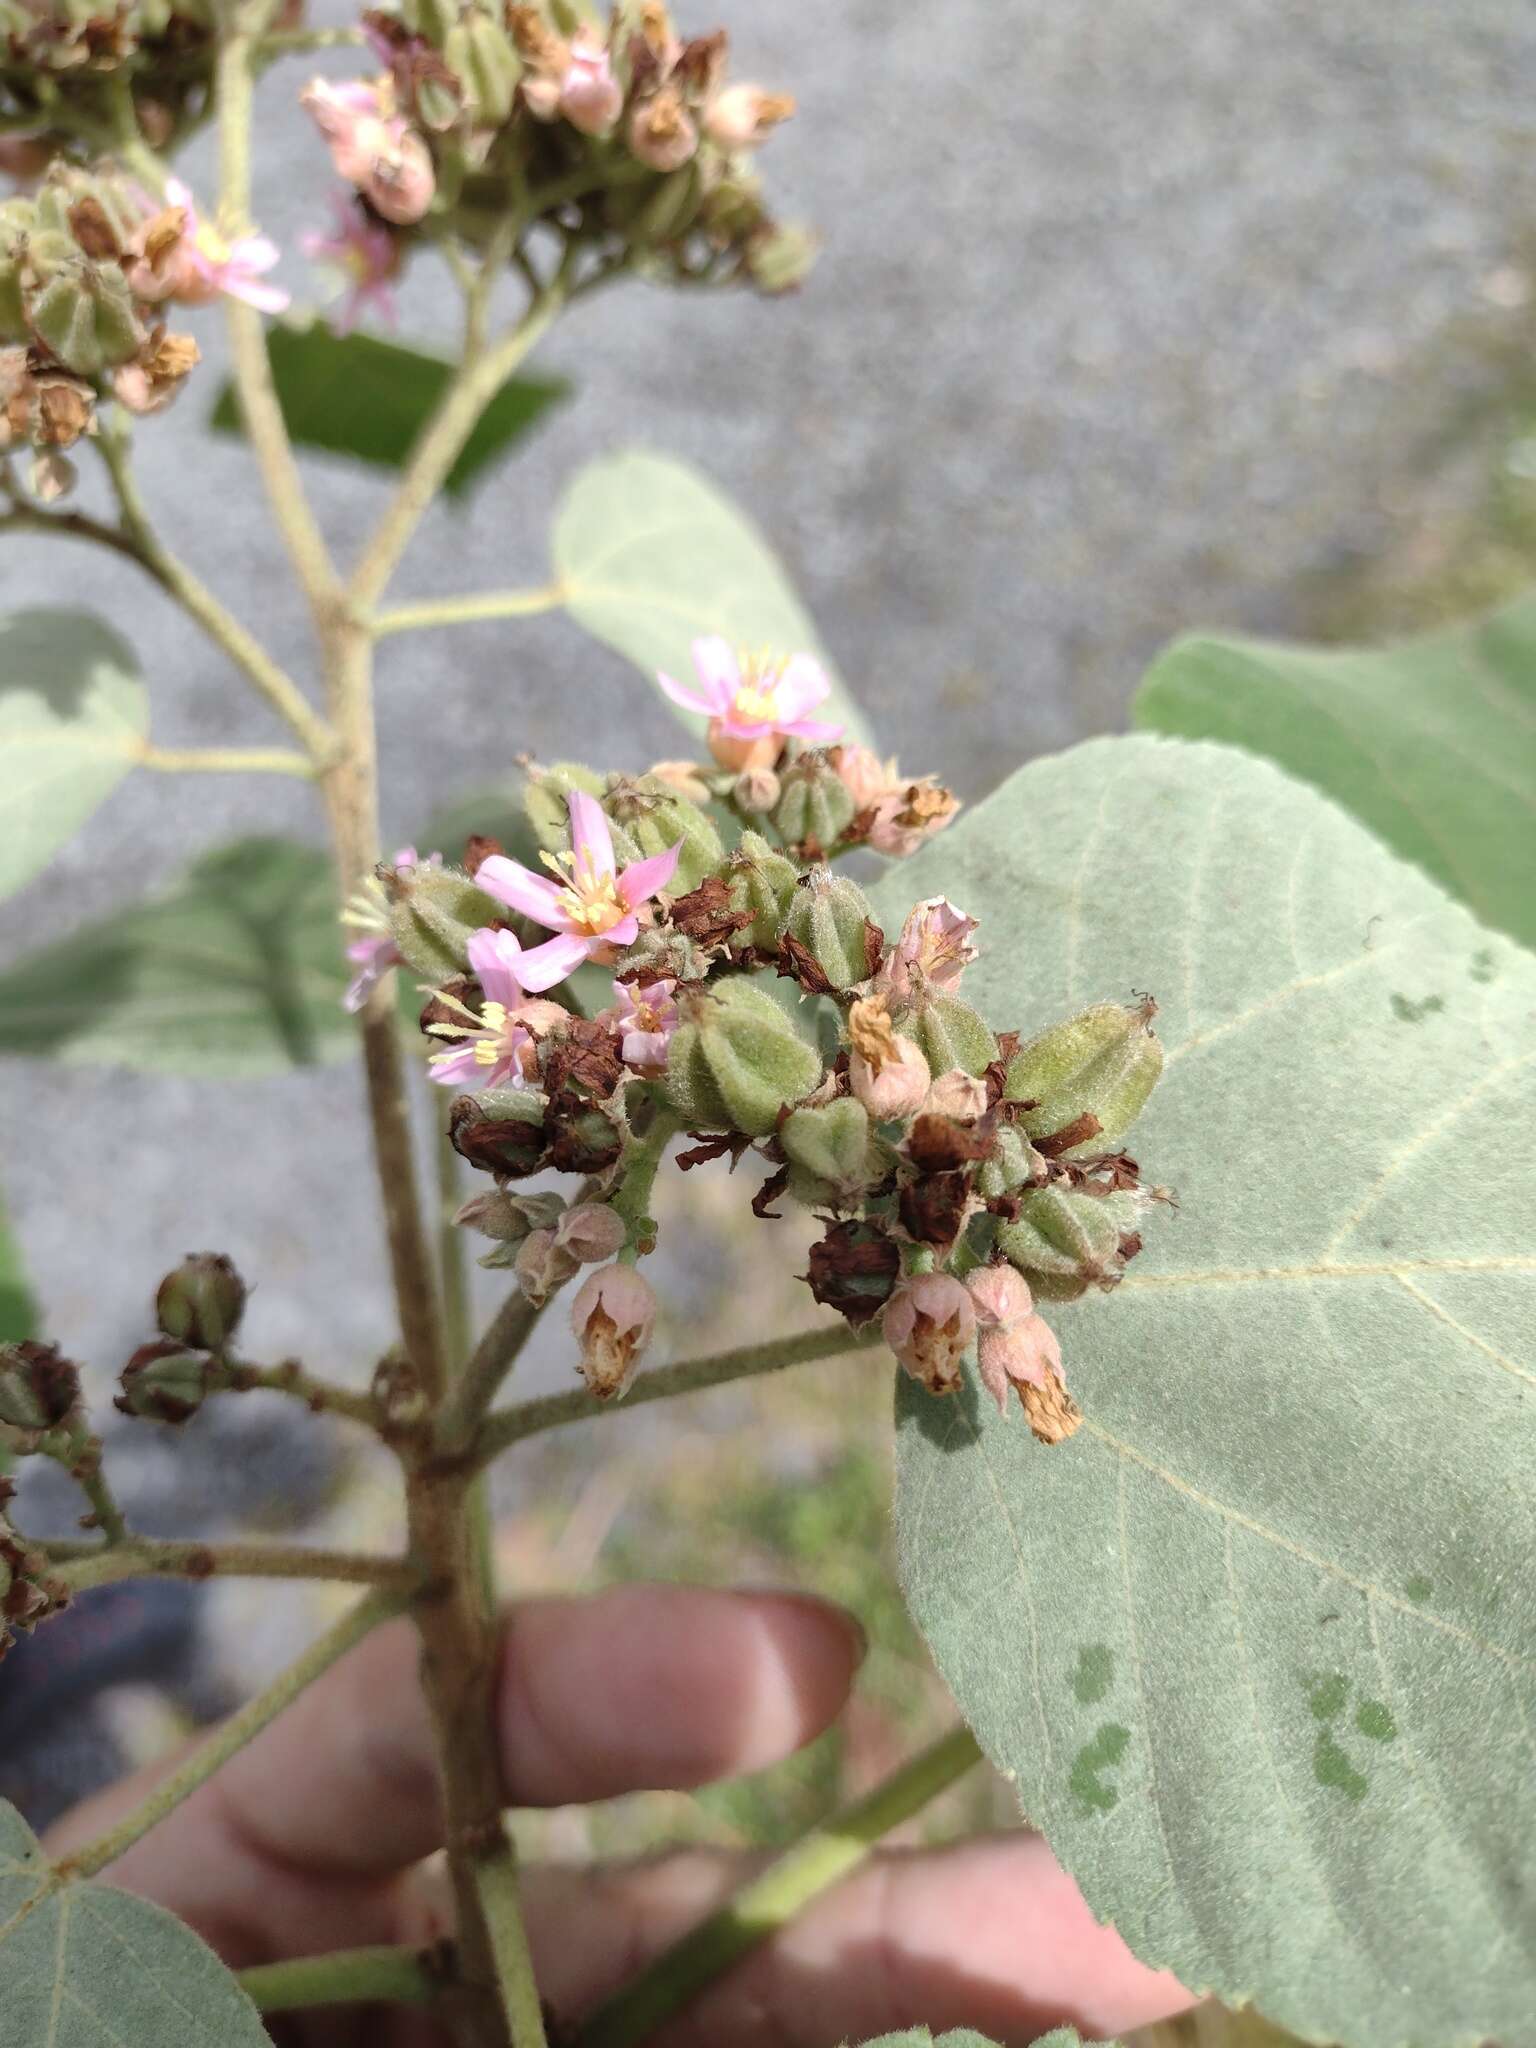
(352, 1976)
(480, 377)
(452, 1258)
(641, 1165)
(688, 1376)
(233, 1735)
(465, 611)
(142, 1557)
(487, 1367)
(227, 761)
(289, 1377)
(820, 1860)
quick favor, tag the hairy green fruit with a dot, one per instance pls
(202, 1301)
(830, 918)
(763, 881)
(546, 801)
(832, 1152)
(84, 315)
(950, 1034)
(815, 808)
(649, 818)
(1100, 1065)
(1014, 1164)
(736, 1060)
(432, 914)
(1065, 1242)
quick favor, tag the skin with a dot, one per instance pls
(313, 1838)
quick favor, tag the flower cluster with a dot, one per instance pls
(962, 1176)
(89, 269)
(61, 59)
(623, 136)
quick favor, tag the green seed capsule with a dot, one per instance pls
(202, 1301)
(164, 1382)
(84, 316)
(650, 818)
(832, 1153)
(546, 801)
(815, 808)
(1014, 1164)
(1101, 1064)
(950, 1033)
(736, 1060)
(1064, 1242)
(433, 912)
(831, 918)
(764, 882)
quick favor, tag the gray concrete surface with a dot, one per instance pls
(1131, 316)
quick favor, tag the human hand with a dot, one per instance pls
(313, 1838)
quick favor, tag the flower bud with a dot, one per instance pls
(400, 182)
(591, 1232)
(829, 919)
(736, 1059)
(661, 131)
(543, 1266)
(952, 1035)
(756, 790)
(683, 778)
(831, 1153)
(905, 819)
(508, 1218)
(51, 477)
(887, 1073)
(164, 1382)
(815, 808)
(1065, 1242)
(933, 951)
(744, 115)
(201, 1303)
(1020, 1354)
(38, 1386)
(433, 911)
(591, 98)
(929, 1323)
(500, 1131)
(612, 1315)
(1000, 1296)
(1093, 1073)
(763, 881)
(780, 258)
(863, 774)
(653, 819)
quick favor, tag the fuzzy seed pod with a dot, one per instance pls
(951, 1034)
(38, 1386)
(433, 912)
(832, 1154)
(201, 1303)
(815, 808)
(763, 881)
(164, 1382)
(650, 818)
(1094, 1072)
(829, 918)
(547, 801)
(1065, 1242)
(736, 1059)
(1014, 1164)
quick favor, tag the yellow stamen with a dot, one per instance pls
(757, 695)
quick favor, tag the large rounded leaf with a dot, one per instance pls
(73, 715)
(650, 556)
(237, 969)
(1258, 1644)
(88, 1966)
(1432, 743)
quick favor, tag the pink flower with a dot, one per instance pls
(644, 1019)
(591, 98)
(367, 256)
(589, 904)
(372, 147)
(1000, 1296)
(864, 775)
(375, 953)
(753, 704)
(613, 1314)
(933, 951)
(742, 116)
(928, 1322)
(907, 817)
(1025, 1354)
(498, 1048)
(178, 255)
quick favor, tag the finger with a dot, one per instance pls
(989, 1934)
(640, 1687)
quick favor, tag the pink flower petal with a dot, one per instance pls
(642, 878)
(255, 253)
(545, 965)
(266, 298)
(458, 1065)
(691, 700)
(624, 933)
(536, 896)
(719, 669)
(591, 841)
(816, 729)
(803, 685)
(494, 959)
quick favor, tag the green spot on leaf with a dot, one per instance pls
(1374, 1719)
(1101, 1754)
(1414, 1013)
(1483, 967)
(1419, 1588)
(1094, 1674)
(1328, 1695)
(1331, 1767)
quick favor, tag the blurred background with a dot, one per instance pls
(1129, 318)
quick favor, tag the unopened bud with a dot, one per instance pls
(736, 1059)
(661, 131)
(591, 1232)
(543, 1266)
(829, 920)
(814, 808)
(756, 790)
(51, 477)
(929, 1322)
(38, 1385)
(887, 1073)
(744, 115)
(591, 98)
(508, 1218)
(1094, 1073)
(1000, 1296)
(863, 774)
(1065, 1242)
(683, 778)
(164, 1382)
(910, 816)
(399, 182)
(830, 1150)
(762, 880)
(201, 1303)
(613, 1314)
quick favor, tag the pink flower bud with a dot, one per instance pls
(1021, 1354)
(543, 1266)
(740, 756)
(934, 949)
(612, 1315)
(684, 777)
(757, 789)
(928, 1322)
(591, 98)
(958, 1095)
(909, 816)
(662, 135)
(864, 775)
(744, 115)
(1000, 1295)
(898, 1087)
(400, 182)
(351, 120)
(592, 1231)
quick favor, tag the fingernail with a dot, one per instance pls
(847, 1625)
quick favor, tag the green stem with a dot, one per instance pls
(232, 1735)
(140, 1557)
(290, 1378)
(820, 1860)
(452, 1259)
(496, 1880)
(465, 611)
(227, 761)
(689, 1376)
(642, 1162)
(289, 42)
(484, 1372)
(353, 1976)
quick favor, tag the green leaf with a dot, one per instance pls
(236, 970)
(1432, 744)
(18, 1308)
(89, 1966)
(355, 395)
(650, 556)
(73, 715)
(1258, 1644)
